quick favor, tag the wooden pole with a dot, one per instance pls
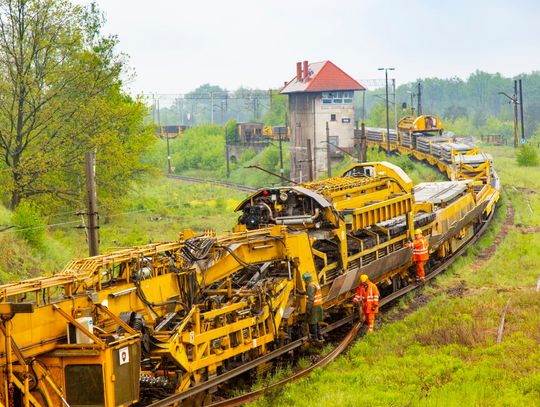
(515, 103)
(521, 113)
(363, 145)
(328, 156)
(93, 235)
(309, 160)
(281, 169)
(501, 325)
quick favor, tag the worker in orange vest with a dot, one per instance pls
(314, 310)
(368, 294)
(420, 254)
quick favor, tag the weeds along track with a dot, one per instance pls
(342, 346)
(239, 187)
(175, 320)
(459, 162)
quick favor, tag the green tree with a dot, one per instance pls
(61, 95)
(230, 131)
(278, 110)
(30, 225)
(377, 116)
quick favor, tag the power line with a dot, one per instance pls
(77, 221)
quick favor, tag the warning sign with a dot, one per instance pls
(123, 356)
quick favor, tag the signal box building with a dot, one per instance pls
(320, 93)
(249, 132)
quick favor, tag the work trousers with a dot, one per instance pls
(420, 272)
(370, 321)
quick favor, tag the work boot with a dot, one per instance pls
(320, 338)
(312, 333)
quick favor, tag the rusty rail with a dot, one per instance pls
(254, 395)
(347, 340)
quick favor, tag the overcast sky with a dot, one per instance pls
(176, 45)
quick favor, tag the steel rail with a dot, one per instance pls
(244, 368)
(251, 396)
(239, 187)
(254, 395)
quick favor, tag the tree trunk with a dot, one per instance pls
(15, 199)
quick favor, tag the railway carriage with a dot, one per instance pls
(149, 325)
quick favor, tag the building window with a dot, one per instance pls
(327, 97)
(337, 98)
(332, 117)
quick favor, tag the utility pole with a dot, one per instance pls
(387, 116)
(91, 198)
(227, 159)
(211, 107)
(309, 160)
(328, 156)
(521, 109)
(514, 101)
(221, 104)
(227, 154)
(412, 102)
(363, 106)
(153, 108)
(363, 145)
(281, 170)
(387, 119)
(419, 94)
(158, 115)
(179, 112)
(168, 144)
(357, 142)
(169, 168)
(395, 102)
(255, 107)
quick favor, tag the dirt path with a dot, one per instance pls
(486, 254)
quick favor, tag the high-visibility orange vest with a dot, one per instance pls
(420, 249)
(317, 298)
(369, 296)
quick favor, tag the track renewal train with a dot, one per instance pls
(138, 325)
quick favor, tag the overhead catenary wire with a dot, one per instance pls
(13, 229)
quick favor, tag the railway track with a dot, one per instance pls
(193, 314)
(339, 349)
(239, 187)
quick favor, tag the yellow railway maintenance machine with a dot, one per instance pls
(139, 324)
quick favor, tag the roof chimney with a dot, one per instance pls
(306, 70)
(299, 71)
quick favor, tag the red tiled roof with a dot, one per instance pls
(323, 76)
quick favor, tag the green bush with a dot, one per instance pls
(200, 148)
(29, 224)
(527, 156)
(230, 131)
(246, 155)
(405, 163)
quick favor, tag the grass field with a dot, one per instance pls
(157, 210)
(438, 347)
